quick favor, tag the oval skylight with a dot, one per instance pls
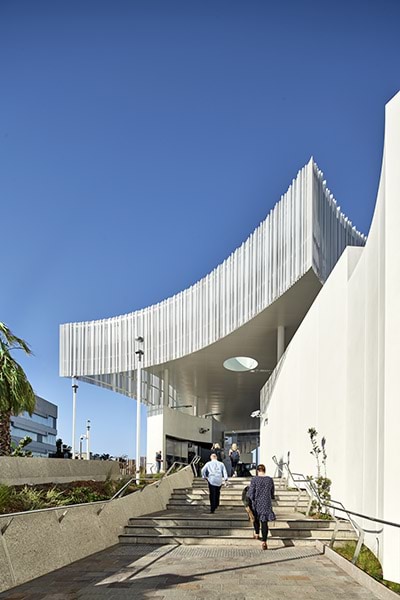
(240, 363)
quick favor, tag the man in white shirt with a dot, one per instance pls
(215, 473)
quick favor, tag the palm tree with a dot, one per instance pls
(16, 393)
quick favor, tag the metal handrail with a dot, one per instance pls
(157, 482)
(67, 507)
(335, 505)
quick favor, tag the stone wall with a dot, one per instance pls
(35, 543)
(19, 470)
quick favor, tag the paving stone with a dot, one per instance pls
(190, 573)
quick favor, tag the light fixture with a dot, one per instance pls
(183, 406)
(240, 364)
(202, 430)
(256, 414)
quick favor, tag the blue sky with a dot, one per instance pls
(141, 143)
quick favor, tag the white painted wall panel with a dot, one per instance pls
(340, 371)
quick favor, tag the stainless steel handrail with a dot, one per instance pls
(65, 508)
(335, 505)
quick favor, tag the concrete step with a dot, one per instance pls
(187, 520)
(243, 532)
(238, 482)
(236, 494)
(218, 522)
(232, 502)
(229, 540)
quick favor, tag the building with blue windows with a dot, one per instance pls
(41, 426)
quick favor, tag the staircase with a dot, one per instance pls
(187, 520)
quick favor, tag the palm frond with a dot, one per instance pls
(9, 341)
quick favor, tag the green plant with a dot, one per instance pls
(30, 498)
(16, 393)
(322, 482)
(18, 449)
(368, 562)
(81, 495)
(5, 497)
(55, 497)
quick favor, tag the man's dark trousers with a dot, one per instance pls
(215, 491)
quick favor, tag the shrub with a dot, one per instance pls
(55, 497)
(30, 498)
(5, 497)
(322, 482)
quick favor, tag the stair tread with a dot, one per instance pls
(187, 520)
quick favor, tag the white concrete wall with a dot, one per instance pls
(38, 542)
(184, 426)
(340, 371)
(174, 423)
(155, 441)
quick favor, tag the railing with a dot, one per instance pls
(157, 482)
(333, 505)
(101, 503)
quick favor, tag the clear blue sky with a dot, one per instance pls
(141, 143)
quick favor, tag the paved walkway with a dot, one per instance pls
(196, 572)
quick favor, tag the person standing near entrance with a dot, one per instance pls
(215, 473)
(216, 449)
(261, 493)
(234, 455)
(158, 461)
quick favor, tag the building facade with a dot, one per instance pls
(305, 313)
(41, 426)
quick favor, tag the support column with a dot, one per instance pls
(74, 390)
(139, 354)
(166, 388)
(280, 343)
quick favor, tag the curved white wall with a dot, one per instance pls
(340, 371)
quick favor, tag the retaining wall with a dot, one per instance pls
(39, 542)
(16, 470)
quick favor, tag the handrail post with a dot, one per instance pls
(358, 547)
(334, 534)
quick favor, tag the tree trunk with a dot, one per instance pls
(5, 433)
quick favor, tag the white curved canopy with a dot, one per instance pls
(235, 311)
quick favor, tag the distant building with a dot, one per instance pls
(41, 427)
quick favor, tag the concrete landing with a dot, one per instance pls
(194, 573)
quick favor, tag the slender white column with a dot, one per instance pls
(74, 390)
(280, 342)
(138, 395)
(88, 440)
(139, 354)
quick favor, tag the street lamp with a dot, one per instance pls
(74, 390)
(82, 437)
(139, 353)
(88, 439)
(85, 436)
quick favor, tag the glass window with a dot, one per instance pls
(49, 421)
(22, 433)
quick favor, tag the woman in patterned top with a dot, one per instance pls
(261, 494)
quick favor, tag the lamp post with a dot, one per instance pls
(88, 439)
(139, 353)
(74, 390)
(81, 438)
